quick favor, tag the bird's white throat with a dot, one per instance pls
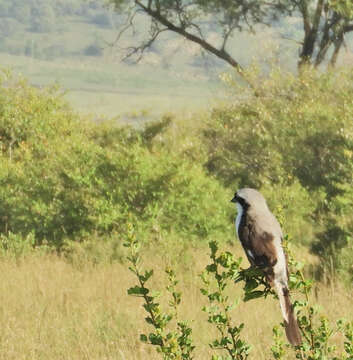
(238, 218)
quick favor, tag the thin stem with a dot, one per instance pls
(310, 315)
(144, 295)
(228, 324)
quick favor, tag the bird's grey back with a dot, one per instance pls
(259, 211)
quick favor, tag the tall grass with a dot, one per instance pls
(52, 309)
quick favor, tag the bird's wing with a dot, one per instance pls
(258, 245)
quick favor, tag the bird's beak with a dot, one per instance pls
(234, 200)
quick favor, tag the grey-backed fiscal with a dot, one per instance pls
(261, 237)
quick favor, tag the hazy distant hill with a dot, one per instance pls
(70, 42)
(52, 29)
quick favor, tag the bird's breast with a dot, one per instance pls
(238, 218)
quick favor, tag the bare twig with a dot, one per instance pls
(131, 51)
(129, 24)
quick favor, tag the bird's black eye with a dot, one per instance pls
(235, 198)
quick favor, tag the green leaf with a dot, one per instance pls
(214, 247)
(146, 276)
(204, 292)
(137, 291)
(156, 339)
(253, 295)
(143, 338)
(211, 268)
(250, 285)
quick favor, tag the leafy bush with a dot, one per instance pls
(295, 128)
(64, 178)
(172, 337)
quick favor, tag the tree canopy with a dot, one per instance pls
(325, 24)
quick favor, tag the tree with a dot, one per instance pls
(325, 23)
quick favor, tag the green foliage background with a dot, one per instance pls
(67, 180)
(294, 141)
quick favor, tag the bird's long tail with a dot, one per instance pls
(290, 322)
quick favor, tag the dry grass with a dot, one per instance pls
(50, 309)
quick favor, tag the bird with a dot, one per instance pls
(261, 237)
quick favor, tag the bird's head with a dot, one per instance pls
(248, 197)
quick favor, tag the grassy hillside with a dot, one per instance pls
(112, 89)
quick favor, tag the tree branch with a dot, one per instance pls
(221, 53)
(338, 45)
(303, 8)
(128, 25)
(348, 28)
(325, 42)
(317, 16)
(133, 50)
(226, 36)
(311, 32)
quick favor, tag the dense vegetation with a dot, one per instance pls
(64, 178)
(67, 180)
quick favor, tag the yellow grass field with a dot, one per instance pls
(51, 309)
